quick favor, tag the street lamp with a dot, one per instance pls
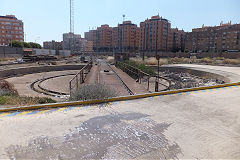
(157, 81)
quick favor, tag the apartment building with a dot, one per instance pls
(220, 38)
(101, 38)
(125, 37)
(72, 42)
(53, 45)
(155, 34)
(10, 29)
(176, 40)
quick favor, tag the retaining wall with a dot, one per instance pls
(30, 70)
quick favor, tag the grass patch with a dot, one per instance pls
(232, 61)
(17, 100)
(9, 96)
(141, 66)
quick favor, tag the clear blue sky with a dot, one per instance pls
(48, 19)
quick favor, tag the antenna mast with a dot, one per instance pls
(71, 16)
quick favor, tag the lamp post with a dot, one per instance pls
(157, 81)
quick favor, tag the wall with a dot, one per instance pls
(30, 70)
(6, 52)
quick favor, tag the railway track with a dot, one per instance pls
(37, 87)
(107, 75)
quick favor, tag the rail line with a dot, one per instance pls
(123, 83)
(36, 86)
(107, 67)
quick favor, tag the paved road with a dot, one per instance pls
(194, 125)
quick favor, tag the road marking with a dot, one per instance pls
(4, 114)
(42, 112)
(61, 109)
(13, 114)
(51, 111)
(33, 112)
(24, 113)
(70, 108)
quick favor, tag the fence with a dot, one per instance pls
(134, 72)
(143, 77)
(79, 78)
(10, 52)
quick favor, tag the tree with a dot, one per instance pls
(26, 45)
(15, 44)
(35, 45)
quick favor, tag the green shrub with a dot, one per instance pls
(142, 67)
(93, 92)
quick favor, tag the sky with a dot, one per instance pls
(46, 20)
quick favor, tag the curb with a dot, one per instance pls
(75, 103)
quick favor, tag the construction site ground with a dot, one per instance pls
(194, 125)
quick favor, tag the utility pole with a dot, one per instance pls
(71, 34)
(71, 16)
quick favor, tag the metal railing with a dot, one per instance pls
(134, 72)
(157, 83)
(80, 77)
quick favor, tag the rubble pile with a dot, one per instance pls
(185, 80)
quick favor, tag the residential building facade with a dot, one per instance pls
(125, 37)
(220, 38)
(53, 45)
(155, 34)
(176, 40)
(101, 38)
(10, 29)
(72, 42)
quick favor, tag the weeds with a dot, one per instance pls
(232, 61)
(9, 96)
(141, 66)
(93, 92)
(17, 100)
(176, 60)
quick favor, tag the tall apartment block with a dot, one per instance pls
(10, 29)
(155, 34)
(214, 39)
(177, 40)
(91, 36)
(101, 38)
(53, 45)
(125, 37)
(72, 42)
